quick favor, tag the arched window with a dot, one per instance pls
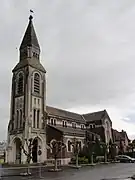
(69, 146)
(52, 121)
(63, 123)
(80, 145)
(17, 119)
(37, 83)
(20, 84)
(34, 118)
(37, 118)
(20, 117)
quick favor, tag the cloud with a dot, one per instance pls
(87, 49)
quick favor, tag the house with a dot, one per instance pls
(121, 140)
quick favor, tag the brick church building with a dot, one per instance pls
(28, 107)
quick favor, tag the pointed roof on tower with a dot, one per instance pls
(30, 38)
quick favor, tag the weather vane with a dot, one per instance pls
(31, 12)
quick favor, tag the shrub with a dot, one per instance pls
(81, 160)
(100, 159)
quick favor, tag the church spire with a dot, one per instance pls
(30, 38)
(30, 50)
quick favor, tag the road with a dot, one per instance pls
(100, 172)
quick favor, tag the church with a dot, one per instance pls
(28, 112)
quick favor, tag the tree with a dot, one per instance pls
(56, 147)
(28, 152)
(92, 146)
(132, 147)
(112, 150)
(105, 148)
(121, 150)
(76, 149)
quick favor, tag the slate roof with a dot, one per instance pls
(65, 114)
(70, 131)
(30, 38)
(95, 115)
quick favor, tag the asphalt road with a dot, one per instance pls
(100, 172)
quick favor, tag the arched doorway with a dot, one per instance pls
(34, 150)
(18, 150)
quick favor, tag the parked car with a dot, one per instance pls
(125, 159)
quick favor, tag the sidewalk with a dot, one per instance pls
(16, 171)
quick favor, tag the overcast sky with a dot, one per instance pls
(88, 50)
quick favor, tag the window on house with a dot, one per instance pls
(34, 54)
(38, 101)
(94, 126)
(20, 84)
(38, 113)
(80, 146)
(20, 117)
(48, 121)
(91, 126)
(34, 100)
(37, 83)
(74, 125)
(34, 118)
(54, 122)
(69, 146)
(63, 123)
(82, 126)
(17, 119)
(51, 121)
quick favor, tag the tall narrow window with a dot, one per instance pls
(37, 83)
(51, 121)
(17, 119)
(65, 123)
(69, 146)
(74, 125)
(34, 100)
(20, 117)
(20, 84)
(80, 146)
(54, 122)
(34, 118)
(37, 118)
(48, 121)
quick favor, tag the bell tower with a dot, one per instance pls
(28, 100)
